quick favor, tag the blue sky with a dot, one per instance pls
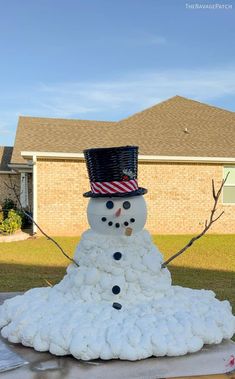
(106, 59)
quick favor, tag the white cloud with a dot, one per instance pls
(117, 98)
(137, 91)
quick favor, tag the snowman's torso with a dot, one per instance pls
(119, 269)
(78, 316)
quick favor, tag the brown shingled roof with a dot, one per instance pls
(159, 130)
(183, 127)
(58, 135)
(5, 157)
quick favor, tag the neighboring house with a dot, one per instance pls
(183, 144)
(19, 180)
(7, 176)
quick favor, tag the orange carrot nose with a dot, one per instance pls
(117, 214)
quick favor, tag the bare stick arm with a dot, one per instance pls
(207, 226)
(13, 188)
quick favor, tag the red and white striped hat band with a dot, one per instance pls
(123, 186)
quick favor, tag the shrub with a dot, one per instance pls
(12, 223)
(26, 222)
(1, 215)
(6, 206)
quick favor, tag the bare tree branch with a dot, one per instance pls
(217, 218)
(213, 189)
(207, 224)
(13, 187)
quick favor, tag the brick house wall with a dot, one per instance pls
(61, 206)
(179, 197)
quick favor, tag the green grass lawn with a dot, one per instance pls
(209, 264)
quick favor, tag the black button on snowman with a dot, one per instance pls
(117, 205)
(117, 256)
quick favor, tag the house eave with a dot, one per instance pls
(9, 172)
(30, 155)
(18, 167)
(186, 159)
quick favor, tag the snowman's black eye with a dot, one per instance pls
(109, 204)
(126, 205)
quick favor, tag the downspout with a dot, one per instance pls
(35, 197)
(24, 191)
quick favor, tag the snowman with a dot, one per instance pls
(119, 303)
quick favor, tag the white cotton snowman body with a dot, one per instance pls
(119, 303)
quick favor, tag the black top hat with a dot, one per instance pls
(113, 172)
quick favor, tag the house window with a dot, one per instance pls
(229, 187)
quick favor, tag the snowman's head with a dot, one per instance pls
(112, 215)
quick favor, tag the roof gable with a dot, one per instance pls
(175, 127)
(183, 127)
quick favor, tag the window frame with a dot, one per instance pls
(226, 185)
